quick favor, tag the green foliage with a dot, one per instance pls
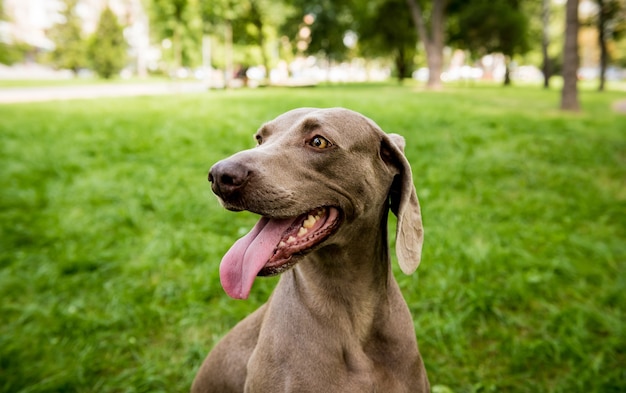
(332, 19)
(168, 15)
(13, 53)
(610, 17)
(70, 50)
(180, 22)
(486, 26)
(107, 46)
(110, 238)
(620, 53)
(613, 13)
(388, 30)
(254, 25)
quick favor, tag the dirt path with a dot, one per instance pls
(49, 93)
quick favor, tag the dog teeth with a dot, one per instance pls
(312, 219)
(309, 222)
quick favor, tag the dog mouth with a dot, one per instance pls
(273, 246)
(302, 235)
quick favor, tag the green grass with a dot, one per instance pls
(110, 238)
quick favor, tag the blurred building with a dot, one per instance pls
(27, 21)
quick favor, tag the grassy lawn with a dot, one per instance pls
(110, 238)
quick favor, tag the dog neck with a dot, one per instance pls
(325, 280)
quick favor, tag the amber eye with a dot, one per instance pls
(319, 142)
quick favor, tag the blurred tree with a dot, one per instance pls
(14, 52)
(10, 52)
(107, 47)
(569, 92)
(319, 27)
(433, 39)
(216, 13)
(70, 50)
(6, 54)
(258, 24)
(387, 29)
(257, 14)
(619, 53)
(217, 18)
(611, 24)
(546, 66)
(179, 22)
(544, 36)
(493, 26)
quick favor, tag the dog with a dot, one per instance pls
(323, 182)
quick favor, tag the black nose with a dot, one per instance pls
(227, 178)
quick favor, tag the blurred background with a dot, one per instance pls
(111, 239)
(229, 43)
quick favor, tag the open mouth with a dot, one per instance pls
(272, 247)
(301, 236)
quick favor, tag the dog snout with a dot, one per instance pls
(227, 178)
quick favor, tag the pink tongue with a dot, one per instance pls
(248, 255)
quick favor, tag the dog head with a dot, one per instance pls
(313, 174)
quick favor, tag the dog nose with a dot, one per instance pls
(227, 177)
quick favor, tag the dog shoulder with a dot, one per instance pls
(225, 367)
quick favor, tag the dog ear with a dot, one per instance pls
(404, 204)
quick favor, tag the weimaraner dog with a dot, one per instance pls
(323, 181)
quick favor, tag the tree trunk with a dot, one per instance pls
(264, 57)
(258, 23)
(604, 53)
(228, 37)
(507, 70)
(569, 93)
(434, 56)
(206, 61)
(401, 65)
(177, 44)
(545, 42)
(433, 42)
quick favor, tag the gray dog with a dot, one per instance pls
(323, 181)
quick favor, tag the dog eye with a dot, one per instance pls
(259, 139)
(319, 142)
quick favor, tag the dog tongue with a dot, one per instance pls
(248, 255)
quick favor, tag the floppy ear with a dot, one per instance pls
(404, 204)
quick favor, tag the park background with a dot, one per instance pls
(110, 238)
